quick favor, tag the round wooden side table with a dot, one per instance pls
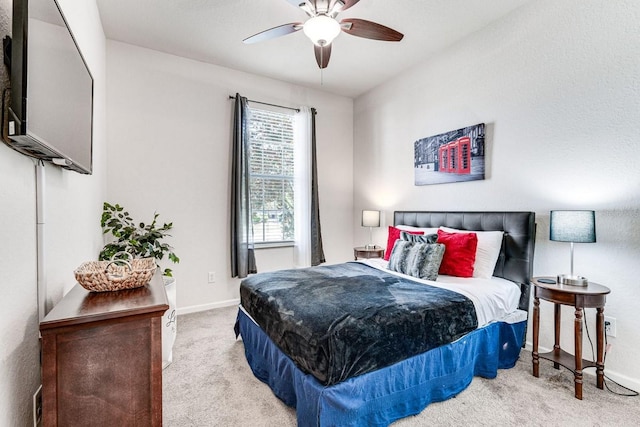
(364, 252)
(593, 295)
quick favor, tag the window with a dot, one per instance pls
(271, 179)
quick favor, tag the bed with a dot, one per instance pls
(353, 345)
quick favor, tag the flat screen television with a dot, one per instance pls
(51, 109)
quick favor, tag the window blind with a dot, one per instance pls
(271, 164)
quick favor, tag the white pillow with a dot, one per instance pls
(487, 251)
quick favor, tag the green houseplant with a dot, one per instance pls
(140, 240)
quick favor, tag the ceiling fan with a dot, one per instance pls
(322, 27)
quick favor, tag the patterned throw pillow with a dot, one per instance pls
(393, 236)
(421, 260)
(418, 238)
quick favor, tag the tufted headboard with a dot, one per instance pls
(516, 255)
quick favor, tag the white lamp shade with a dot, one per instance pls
(573, 226)
(321, 30)
(371, 218)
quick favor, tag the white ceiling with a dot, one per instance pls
(212, 31)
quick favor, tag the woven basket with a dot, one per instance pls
(115, 275)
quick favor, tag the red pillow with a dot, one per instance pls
(459, 253)
(394, 234)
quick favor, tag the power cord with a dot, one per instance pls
(632, 393)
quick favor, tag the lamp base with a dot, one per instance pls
(565, 279)
(370, 246)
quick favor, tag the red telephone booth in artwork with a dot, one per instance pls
(455, 156)
(443, 157)
(464, 155)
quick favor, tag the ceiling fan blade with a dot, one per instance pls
(348, 4)
(370, 30)
(274, 32)
(337, 6)
(322, 55)
(306, 6)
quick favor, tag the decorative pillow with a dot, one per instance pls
(487, 252)
(394, 234)
(459, 253)
(419, 238)
(421, 260)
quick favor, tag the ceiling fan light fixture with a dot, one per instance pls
(321, 29)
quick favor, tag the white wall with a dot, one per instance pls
(169, 143)
(73, 204)
(558, 85)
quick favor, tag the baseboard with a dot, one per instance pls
(624, 380)
(205, 307)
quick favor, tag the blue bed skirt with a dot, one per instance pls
(378, 398)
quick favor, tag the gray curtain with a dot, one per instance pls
(317, 253)
(243, 261)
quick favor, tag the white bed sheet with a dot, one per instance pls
(495, 299)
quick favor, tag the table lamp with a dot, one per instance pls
(370, 219)
(573, 227)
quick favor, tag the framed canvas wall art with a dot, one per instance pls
(454, 156)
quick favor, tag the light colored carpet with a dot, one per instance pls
(209, 383)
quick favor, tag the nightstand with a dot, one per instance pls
(580, 297)
(363, 252)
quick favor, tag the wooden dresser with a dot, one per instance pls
(102, 358)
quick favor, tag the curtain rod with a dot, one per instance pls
(297, 110)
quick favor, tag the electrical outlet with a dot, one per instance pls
(212, 277)
(610, 326)
(37, 407)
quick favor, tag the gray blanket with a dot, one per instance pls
(339, 321)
